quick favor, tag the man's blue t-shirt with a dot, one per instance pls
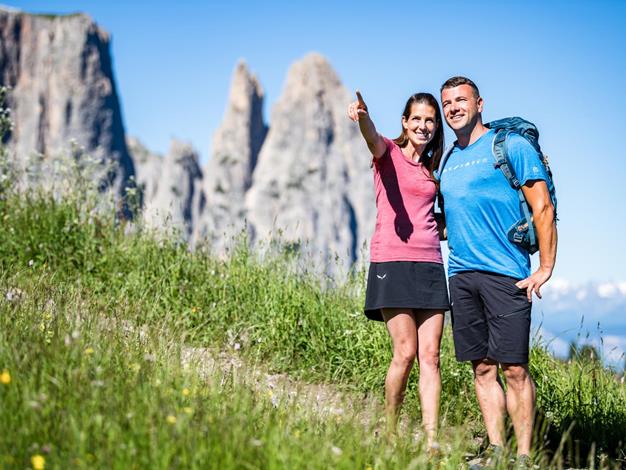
(480, 206)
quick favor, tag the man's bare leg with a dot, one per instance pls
(520, 402)
(491, 398)
(403, 331)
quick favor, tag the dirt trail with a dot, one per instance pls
(322, 399)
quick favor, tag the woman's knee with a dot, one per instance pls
(404, 355)
(429, 359)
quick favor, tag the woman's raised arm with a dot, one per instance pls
(357, 111)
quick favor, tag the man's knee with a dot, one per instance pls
(517, 375)
(485, 371)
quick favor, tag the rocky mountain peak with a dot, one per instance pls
(312, 183)
(312, 74)
(176, 198)
(236, 147)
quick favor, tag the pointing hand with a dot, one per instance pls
(358, 108)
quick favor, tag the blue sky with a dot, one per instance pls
(560, 64)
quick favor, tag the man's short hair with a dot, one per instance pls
(458, 81)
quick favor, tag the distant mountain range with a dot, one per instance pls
(587, 313)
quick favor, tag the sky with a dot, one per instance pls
(560, 64)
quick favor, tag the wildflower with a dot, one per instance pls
(38, 462)
(296, 433)
(336, 450)
(14, 294)
(186, 392)
(89, 351)
(5, 377)
(237, 346)
(134, 367)
(171, 419)
(194, 310)
(256, 442)
(30, 264)
(188, 410)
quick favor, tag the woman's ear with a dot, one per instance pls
(404, 126)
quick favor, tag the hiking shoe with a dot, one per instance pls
(523, 462)
(489, 459)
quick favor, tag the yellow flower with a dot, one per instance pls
(194, 310)
(296, 433)
(38, 462)
(5, 377)
(89, 351)
(186, 392)
(171, 419)
(188, 410)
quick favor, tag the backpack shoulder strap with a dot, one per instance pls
(500, 153)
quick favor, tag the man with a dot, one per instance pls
(490, 282)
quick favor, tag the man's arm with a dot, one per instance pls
(538, 198)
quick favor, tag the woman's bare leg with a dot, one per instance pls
(429, 330)
(403, 331)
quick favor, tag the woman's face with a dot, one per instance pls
(421, 125)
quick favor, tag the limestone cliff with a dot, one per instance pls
(63, 96)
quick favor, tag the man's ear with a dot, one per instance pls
(480, 103)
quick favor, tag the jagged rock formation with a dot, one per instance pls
(176, 200)
(62, 90)
(228, 175)
(148, 167)
(312, 184)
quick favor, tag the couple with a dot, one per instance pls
(490, 281)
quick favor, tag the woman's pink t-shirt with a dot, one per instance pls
(405, 222)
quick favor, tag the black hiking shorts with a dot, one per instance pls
(490, 317)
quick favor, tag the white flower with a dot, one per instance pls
(14, 294)
(336, 450)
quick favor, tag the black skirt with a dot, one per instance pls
(405, 284)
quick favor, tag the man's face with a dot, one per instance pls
(461, 107)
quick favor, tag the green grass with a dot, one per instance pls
(86, 391)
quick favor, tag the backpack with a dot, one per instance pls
(522, 232)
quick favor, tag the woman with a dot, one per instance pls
(406, 285)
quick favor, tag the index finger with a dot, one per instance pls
(360, 98)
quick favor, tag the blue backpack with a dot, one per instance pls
(522, 232)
